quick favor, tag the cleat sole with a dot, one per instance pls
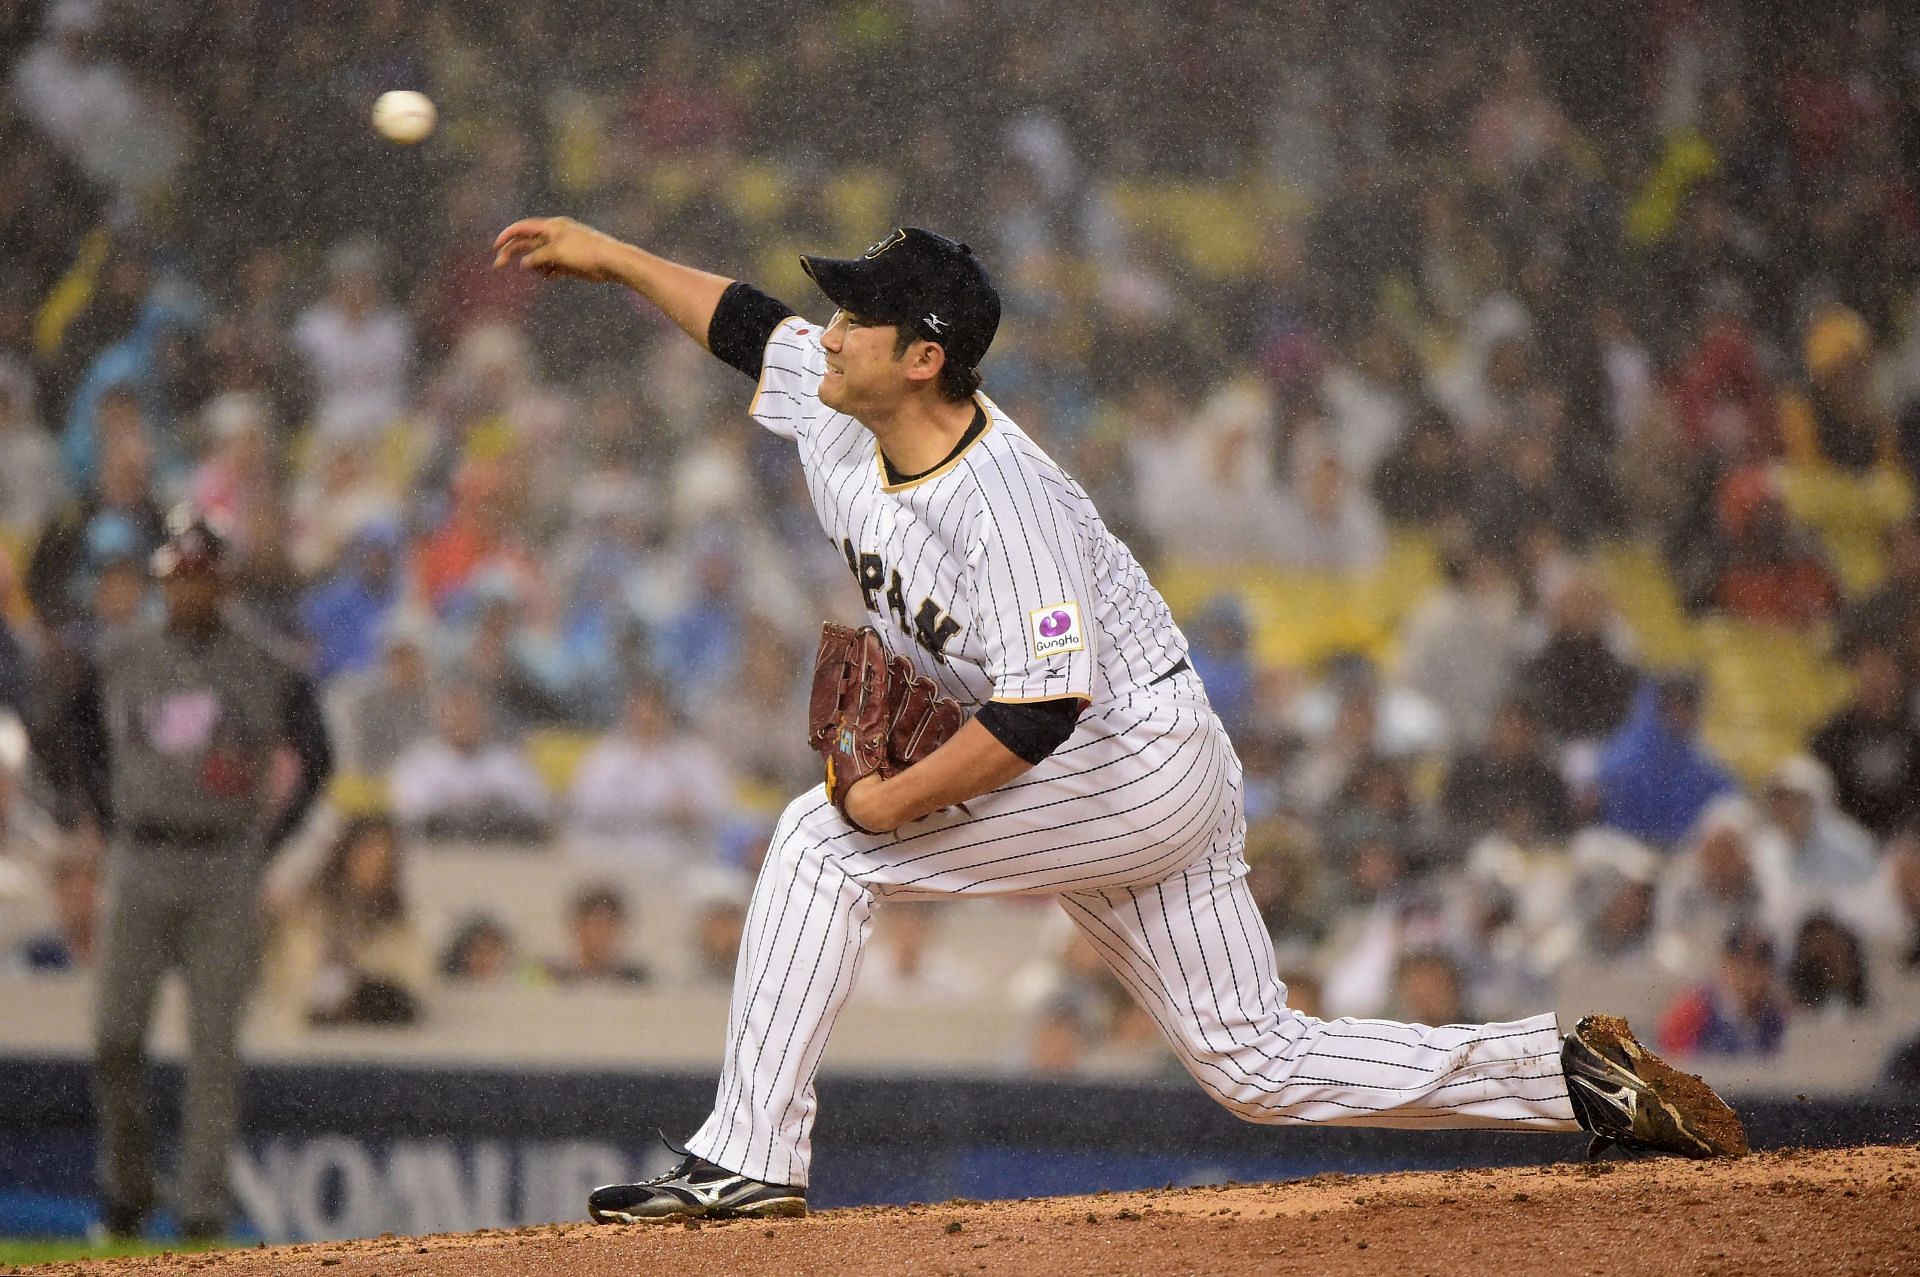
(777, 1208)
(1683, 1111)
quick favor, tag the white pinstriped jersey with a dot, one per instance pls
(993, 573)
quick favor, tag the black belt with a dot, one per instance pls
(1180, 668)
(177, 837)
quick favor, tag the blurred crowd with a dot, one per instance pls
(1316, 284)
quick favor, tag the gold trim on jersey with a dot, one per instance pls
(899, 236)
(760, 383)
(880, 458)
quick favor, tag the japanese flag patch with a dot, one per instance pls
(1055, 629)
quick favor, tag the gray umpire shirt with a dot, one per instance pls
(177, 733)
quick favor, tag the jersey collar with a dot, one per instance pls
(892, 481)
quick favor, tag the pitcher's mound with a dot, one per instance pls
(1838, 1211)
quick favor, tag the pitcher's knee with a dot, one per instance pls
(1248, 1095)
(1262, 1108)
(1244, 1102)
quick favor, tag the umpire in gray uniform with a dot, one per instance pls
(174, 735)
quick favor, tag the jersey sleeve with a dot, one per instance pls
(1032, 596)
(790, 373)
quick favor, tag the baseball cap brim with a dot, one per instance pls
(852, 284)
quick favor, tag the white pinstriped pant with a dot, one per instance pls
(1135, 823)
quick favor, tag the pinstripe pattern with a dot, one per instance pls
(989, 540)
(1192, 951)
(1135, 822)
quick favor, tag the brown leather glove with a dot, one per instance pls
(923, 719)
(869, 712)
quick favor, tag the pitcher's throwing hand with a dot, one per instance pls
(558, 246)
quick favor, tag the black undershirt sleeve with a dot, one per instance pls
(1031, 729)
(306, 732)
(742, 323)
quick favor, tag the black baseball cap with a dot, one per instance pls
(929, 284)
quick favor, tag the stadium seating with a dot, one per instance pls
(1206, 223)
(1643, 593)
(556, 753)
(1767, 689)
(1301, 618)
(1850, 513)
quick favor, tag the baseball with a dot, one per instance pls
(404, 116)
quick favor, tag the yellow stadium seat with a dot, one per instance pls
(16, 547)
(758, 796)
(1410, 573)
(1849, 512)
(14, 607)
(1219, 229)
(1767, 689)
(401, 451)
(674, 181)
(1300, 619)
(354, 794)
(580, 151)
(1297, 618)
(1636, 579)
(857, 202)
(555, 753)
(778, 270)
(757, 192)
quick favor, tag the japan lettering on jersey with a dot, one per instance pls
(993, 572)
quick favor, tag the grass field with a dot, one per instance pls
(17, 1252)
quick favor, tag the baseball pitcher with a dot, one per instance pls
(1019, 716)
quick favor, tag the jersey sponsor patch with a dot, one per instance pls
(1056, 629)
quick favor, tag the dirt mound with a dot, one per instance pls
(1837, 1211)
